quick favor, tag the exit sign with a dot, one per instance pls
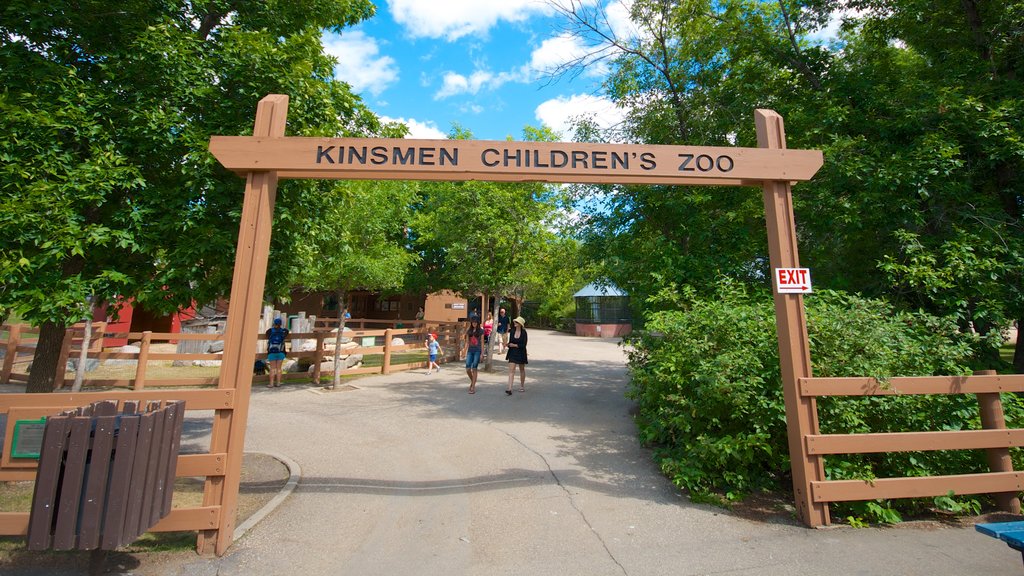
(793, 280)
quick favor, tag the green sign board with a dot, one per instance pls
(28, 438)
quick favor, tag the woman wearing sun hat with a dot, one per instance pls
(517, 354)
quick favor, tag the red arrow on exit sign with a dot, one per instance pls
(793, 280)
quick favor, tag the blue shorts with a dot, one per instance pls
(275, 356)
(472, 359)
(433, 357)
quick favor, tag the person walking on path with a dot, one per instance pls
(474, 335)
(488, 328)
(517, 354)
(276, 338)
(502, 330)
(433, 349)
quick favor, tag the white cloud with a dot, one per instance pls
(454, 83)
(360, 63)
(453, 19)
(618, 19)
(558, 113)
(830, 33)
(425, 130)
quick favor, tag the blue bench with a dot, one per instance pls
(1010, 532)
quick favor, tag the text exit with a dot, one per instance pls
(793, 280)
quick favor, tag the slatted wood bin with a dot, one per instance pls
(104, 478)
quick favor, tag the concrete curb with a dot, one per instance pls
(294, 473)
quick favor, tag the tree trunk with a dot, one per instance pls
(44, 362)
(342, 306)
(1018, 349)
(83, 354)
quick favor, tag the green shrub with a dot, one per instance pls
(705, 375)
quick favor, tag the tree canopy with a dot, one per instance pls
(916, 105)
(106, 110)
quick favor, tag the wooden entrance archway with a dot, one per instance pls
(268, 156)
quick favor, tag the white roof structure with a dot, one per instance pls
(595, 289)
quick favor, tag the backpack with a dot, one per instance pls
(275, 339)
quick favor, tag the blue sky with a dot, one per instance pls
(480, 63)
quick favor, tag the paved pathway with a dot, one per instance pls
(410, 475)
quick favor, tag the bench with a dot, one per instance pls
(1010, 532)
(104, 478)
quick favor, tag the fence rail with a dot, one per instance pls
(1002, 482)
(152, 365)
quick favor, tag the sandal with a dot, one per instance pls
(508, 392)
(471, 391)
(521, 389)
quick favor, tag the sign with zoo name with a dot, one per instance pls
(793, 280)
(406, 159)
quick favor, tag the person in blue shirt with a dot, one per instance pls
(276, 338)
(433, 349)
(502, 330)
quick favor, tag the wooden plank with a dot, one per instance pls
(311, 157)
(66, 532)
(120, 479)
(176, 421)
(176, 356)
(213, 399)
(821, 444)
(157, 453)
(137, 486)
(186, 519)
(96, 483)
(975, 384)
(14, 523)
(44, 498)
(849, 490)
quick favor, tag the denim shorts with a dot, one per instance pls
(472, 359)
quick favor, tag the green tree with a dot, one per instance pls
(106, 109)
(359, 242)
(482, 237)
(917, 106)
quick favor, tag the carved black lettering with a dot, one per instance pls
(620, 161)
(356, 154)
(486, 162)
(647, 161)
(599, 160)
(559, 159)
(685, 165)
(537, 162)
(580, 157)
(449, 157)
(426, 157)
(507, 157)
(378, 155)
(724, 163)
(705, 163)
(324, 154)
(403, 158)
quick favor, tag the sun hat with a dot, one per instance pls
(519, 320)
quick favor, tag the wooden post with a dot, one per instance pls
(13, 339)
(62, 360)
(228, 435)
(318, 358)
(140, 369)
(990, 406)
(791, 324)
(385, 367)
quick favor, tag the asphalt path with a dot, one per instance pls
(410, 475)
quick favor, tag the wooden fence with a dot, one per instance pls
(142, 385)
(135, 368)
(1002, 482)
